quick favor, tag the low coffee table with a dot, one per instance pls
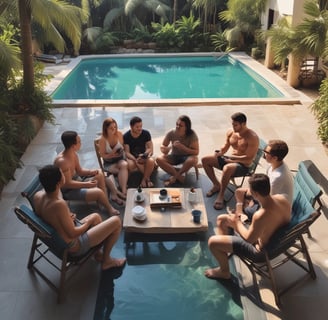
(165, 224)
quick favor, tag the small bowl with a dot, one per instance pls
(163, 193)
(138, 212)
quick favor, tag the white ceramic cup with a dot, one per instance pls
(192, 196)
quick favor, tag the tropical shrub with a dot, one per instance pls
(188, 31)
(166, 36)
(320, 110)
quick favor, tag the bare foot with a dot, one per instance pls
(119, 201)
(149, 184)
(214, 190)
(114, 212)
(217, 273)
(121, 194)
(112, 263)
(170, 181)
(143, 184)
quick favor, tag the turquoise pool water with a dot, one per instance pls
(173, 77)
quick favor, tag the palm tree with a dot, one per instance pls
(10, 63)
(210, 10)
(135, 11)
(244, 17)
(311, 34)
(281, 40)
(56, 19)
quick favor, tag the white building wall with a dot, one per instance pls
(280, 8)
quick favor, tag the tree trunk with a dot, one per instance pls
(26, 45)
(175, 5)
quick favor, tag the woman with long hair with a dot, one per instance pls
(111, 150)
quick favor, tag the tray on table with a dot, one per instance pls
(172, 200)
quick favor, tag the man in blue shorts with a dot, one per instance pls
(79, 235)
(244, 143)
(139, 149)
(274, 213)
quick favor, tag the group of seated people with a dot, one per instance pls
(266, 204)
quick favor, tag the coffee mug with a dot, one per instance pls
(196, 215)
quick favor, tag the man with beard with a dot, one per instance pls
(244, 143)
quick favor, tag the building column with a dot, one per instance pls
(294, 64)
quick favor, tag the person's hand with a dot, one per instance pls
(91, 184)
(217, 153)
(73, 216)
(165, 149)
(119, 152)
(176, 144)
(93, 173)
(140, 159)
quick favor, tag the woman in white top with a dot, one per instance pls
(111, 150)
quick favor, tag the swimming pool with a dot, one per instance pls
(162, 79)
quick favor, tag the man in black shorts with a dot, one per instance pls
(244, 143)
(274, 213)
(138, 148)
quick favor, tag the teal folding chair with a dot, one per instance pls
(288, 242)
(47, 243)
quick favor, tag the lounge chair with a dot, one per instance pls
(48, 58)
(288, 242)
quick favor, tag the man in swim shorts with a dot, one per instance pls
(79, 235)
(244, 143)
(81, 183)
(274, 213)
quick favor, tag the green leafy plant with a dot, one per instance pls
(9, 153)
(320, 110)
(187, 29)
(219, 42)
(166, 36)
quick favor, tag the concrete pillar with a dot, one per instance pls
(269, 56)
(294, 64)
(293, 72)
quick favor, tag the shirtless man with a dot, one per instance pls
(139, 149)
(281, 179)
(274, 213)
(244, 143)
(79, 235)
(75, 187)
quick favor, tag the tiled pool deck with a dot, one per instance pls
(21, 296)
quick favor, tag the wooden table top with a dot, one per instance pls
(172, 220)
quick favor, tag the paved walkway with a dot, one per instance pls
(21, 296)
